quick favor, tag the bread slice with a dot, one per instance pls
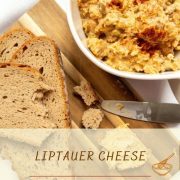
(42, 54)
(11, 41)
(22, 91)
(92, 118)
(87, 93)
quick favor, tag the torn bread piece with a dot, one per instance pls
(92, 118)
(43, 54)
(11, 41)
(87, 93)
(22, 91)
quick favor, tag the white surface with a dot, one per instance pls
(157, 91)
(10, 11)
(175, 85)
(6, 172)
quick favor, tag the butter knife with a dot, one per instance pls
(144, 111)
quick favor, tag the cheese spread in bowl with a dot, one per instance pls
(137, 39)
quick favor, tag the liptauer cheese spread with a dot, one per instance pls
(133, 35)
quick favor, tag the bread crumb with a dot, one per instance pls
(92, 118)
(87, 93)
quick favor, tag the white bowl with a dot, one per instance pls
(75, 25)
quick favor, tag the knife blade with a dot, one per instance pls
(144, 111)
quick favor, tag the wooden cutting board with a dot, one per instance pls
(47, 18)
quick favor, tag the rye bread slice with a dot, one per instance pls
(11, 41)
(22, 91)
(43, 54)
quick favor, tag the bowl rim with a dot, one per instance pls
(109, 69)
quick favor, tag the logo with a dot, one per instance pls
(163, 168)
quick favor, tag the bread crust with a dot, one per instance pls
(23, 67)
(9, 36)
(59, 68)
(2, 37)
